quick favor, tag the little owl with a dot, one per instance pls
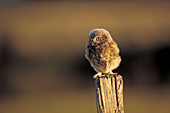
(102, 52)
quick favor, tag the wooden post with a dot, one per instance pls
(109, 94)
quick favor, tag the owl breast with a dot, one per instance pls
(103, 58)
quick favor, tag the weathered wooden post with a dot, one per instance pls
(103, 54)
(109, 94)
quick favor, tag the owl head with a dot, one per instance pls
(99, 36)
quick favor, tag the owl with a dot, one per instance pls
(102, 52)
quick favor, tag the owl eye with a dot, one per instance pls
(98, 38)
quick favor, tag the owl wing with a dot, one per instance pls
(91, 56)
(88, 52)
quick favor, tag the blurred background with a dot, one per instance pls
(42, 47)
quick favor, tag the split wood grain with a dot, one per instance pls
(109, 94)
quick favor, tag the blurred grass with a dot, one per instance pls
(147, 100)
(51, 102)
(135, 100)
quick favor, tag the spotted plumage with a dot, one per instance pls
(102, 52)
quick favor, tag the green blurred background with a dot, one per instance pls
(42, 47)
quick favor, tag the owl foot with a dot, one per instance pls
(99, 74)
(105, 75)
(112, 74)
(109, 74)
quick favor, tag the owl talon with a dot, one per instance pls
(104, 75)
(97, 75)
(113, 74)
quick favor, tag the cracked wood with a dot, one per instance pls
(109, 94)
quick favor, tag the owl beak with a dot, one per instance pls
(92, 44)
